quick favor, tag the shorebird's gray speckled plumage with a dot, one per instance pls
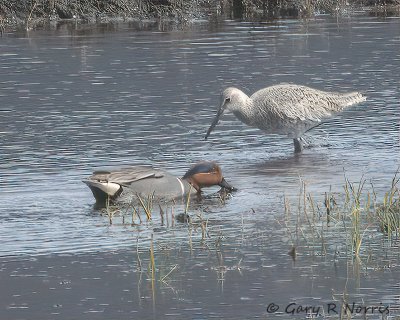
(287, 109)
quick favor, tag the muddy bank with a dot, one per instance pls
(39, 13)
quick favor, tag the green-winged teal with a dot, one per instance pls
(141, 180)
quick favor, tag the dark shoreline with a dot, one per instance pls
(45, 13)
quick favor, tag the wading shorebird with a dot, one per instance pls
(286, 109)
(144, 181)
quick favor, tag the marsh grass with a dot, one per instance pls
(142, 209)
(353, 205)
(110, 210)
(146, 204)
(132, 212)
(161, 269)
(388, 213)
(343, 221)
(188, 200)
(152, 260)
(199, 223)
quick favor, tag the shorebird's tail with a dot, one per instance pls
(345, 100)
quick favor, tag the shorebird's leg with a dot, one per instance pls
(298, 145)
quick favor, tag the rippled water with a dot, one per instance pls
(77, 100)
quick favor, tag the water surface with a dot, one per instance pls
(77, 100)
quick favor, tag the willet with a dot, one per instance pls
(142, 180)
(286, 109)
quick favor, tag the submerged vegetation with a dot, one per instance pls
(344, 223)
(33, 13)
(141, 209)
(356, 225)
(347, 222)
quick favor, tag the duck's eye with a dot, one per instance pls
(227, 99)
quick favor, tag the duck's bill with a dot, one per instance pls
(214, 123)
(226, 185)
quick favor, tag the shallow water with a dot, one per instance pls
(77, 100)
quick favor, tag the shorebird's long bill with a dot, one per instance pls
(215, 122)
(226, 185)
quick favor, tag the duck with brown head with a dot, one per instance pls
(123, 184)
(206, 174)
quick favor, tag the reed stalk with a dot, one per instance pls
(353, 196)
(358, 211)
(389, 212)
(190, 231)
(167, 275)
(166, 216)
(139, 262)
(172, 217)
(109, 211)
(152, 268)
(161, 214)
(204, 232)
(135, 212)
(188, 200)
(146, 204)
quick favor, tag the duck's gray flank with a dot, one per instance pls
(287, 109)
(125, 184)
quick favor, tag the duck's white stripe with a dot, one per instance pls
(182, 186)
